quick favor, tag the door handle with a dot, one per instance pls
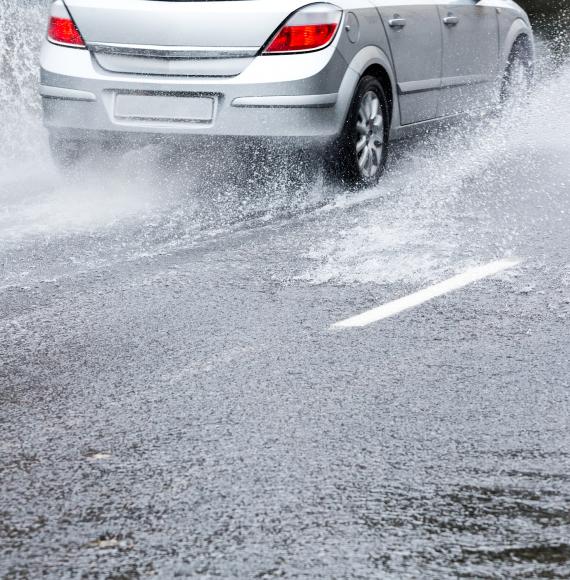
(397, 22)
(451, 20)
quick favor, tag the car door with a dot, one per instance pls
(414, 33)
(470, 56)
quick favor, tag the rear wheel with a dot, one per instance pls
(358, 157)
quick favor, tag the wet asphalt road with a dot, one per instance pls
(175, 404)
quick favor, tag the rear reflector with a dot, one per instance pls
(302, 38)
(63, 31)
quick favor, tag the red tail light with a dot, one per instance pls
(301, 38)
(312, 28)
(64, 31)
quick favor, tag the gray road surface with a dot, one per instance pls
(174, 403)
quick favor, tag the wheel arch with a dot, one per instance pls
(379, 72)
(372, 61)
(519, 35)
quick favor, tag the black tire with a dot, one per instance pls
(344, 161)
(518, 77)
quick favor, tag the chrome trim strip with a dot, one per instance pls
(464, 81)
(437, 84)
(419, 86)
(188, 52)
(287, 101)
(69, 94)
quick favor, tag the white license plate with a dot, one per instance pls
(165, 108)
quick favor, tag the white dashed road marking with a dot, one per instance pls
(413, 300)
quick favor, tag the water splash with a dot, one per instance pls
(421, 225)
(23, 27)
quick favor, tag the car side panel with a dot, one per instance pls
(365, 46)
(470, 56)
(416, 51)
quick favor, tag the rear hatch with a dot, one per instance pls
(178, 37)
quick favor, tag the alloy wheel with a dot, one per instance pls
(370, 135)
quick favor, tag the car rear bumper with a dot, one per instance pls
(295, 96)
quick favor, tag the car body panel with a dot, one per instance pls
(471, 56)
(418, 79)
(247, 23)
(178, 38)
(263, 79)
(305, 96)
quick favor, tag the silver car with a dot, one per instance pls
(347, 76)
